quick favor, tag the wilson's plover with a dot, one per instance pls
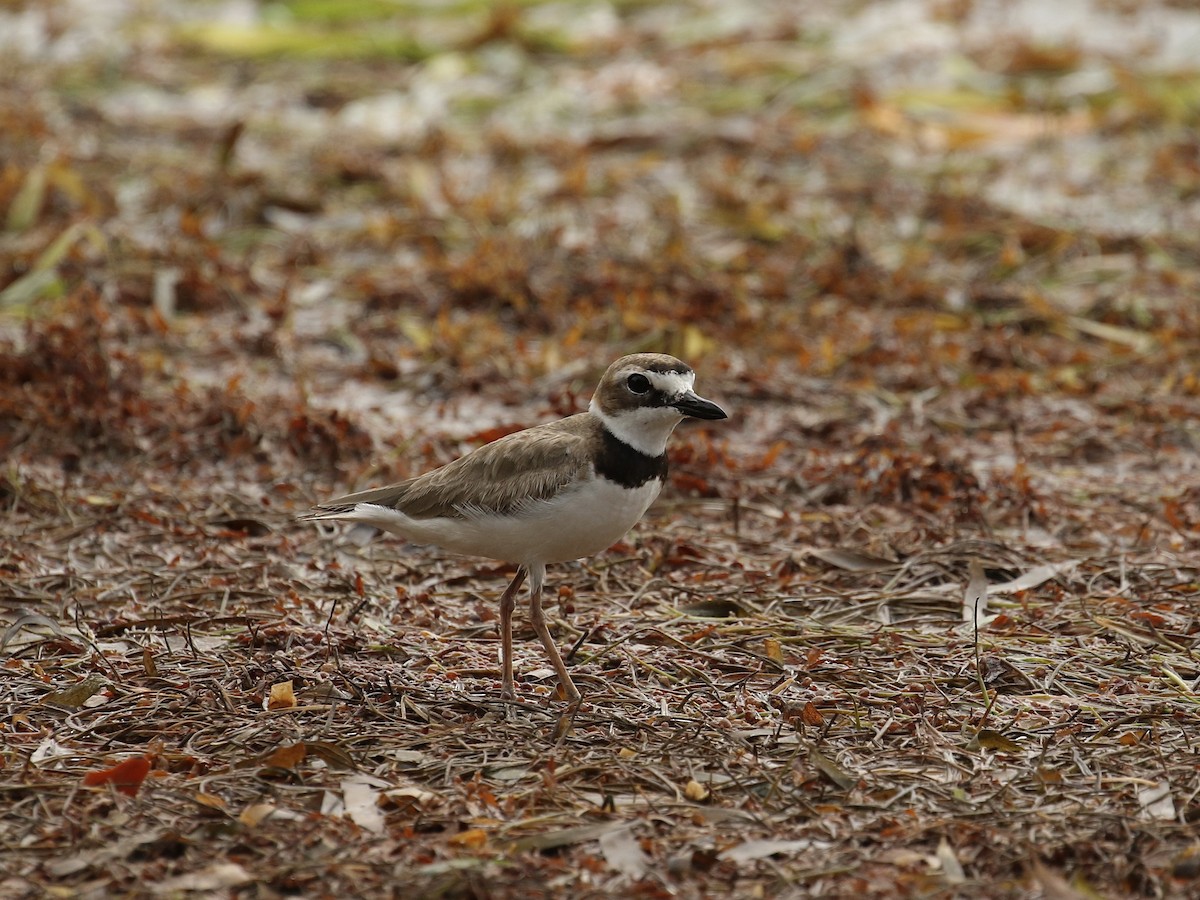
(551, 493)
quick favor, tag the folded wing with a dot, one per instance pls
(498, 478)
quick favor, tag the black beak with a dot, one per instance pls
(698, 408)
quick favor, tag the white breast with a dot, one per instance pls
(576, 523)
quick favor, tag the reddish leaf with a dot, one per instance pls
(1154, 620)
(810, 715)
(287, 756)
(126, 776)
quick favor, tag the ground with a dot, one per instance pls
(920, 619)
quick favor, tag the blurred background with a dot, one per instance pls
(322, 224)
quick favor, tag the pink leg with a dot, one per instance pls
(508, 602)
(538, 618)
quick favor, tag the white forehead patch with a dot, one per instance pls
(673, 384)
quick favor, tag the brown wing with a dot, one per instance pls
(499, 477)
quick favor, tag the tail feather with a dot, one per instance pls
(322, 512)
(382, 517)
(362, 532)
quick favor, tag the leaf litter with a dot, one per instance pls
(920, 619)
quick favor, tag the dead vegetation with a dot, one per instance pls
(920, 620)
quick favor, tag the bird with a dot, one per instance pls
(555, 492)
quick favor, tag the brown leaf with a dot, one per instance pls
(810, 715)
(993, 740)
(287, 757)
(773, 649)
(334, 755)
(76, 695)
(282, 696)
(999, 673)
(126, 776)
(210, 801)
(471, 839)
(853, 560)
(255, 813)
(563, 837)
(831, 770)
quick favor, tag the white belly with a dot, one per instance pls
(574, 524)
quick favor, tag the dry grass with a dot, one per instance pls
(787, 692)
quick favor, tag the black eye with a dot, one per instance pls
(638, 383)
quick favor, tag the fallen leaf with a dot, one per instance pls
(1138, 341)
(48, 750)
(217, 877)
(773, 649)
(1032, 578)
(1000, 673)
(76, 695)
(27, 204)
(1053, 885)
(1156, 802)
(810, 715)
(993, 740)
(952, 869)
(695, 342)
(211, 801)
(748, 851)
(25, 620)
(282, 696)
(623, 853)
(853, 560)
(287, 757)
(360, 795)
(974, 605)
(405, 797)
(699, 860)
(334, 755)
(254, 814)
(563, 837)
(902, 856)
(471, 839)
(126, 776)
(831, 770)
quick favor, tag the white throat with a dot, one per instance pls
(645, 429)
